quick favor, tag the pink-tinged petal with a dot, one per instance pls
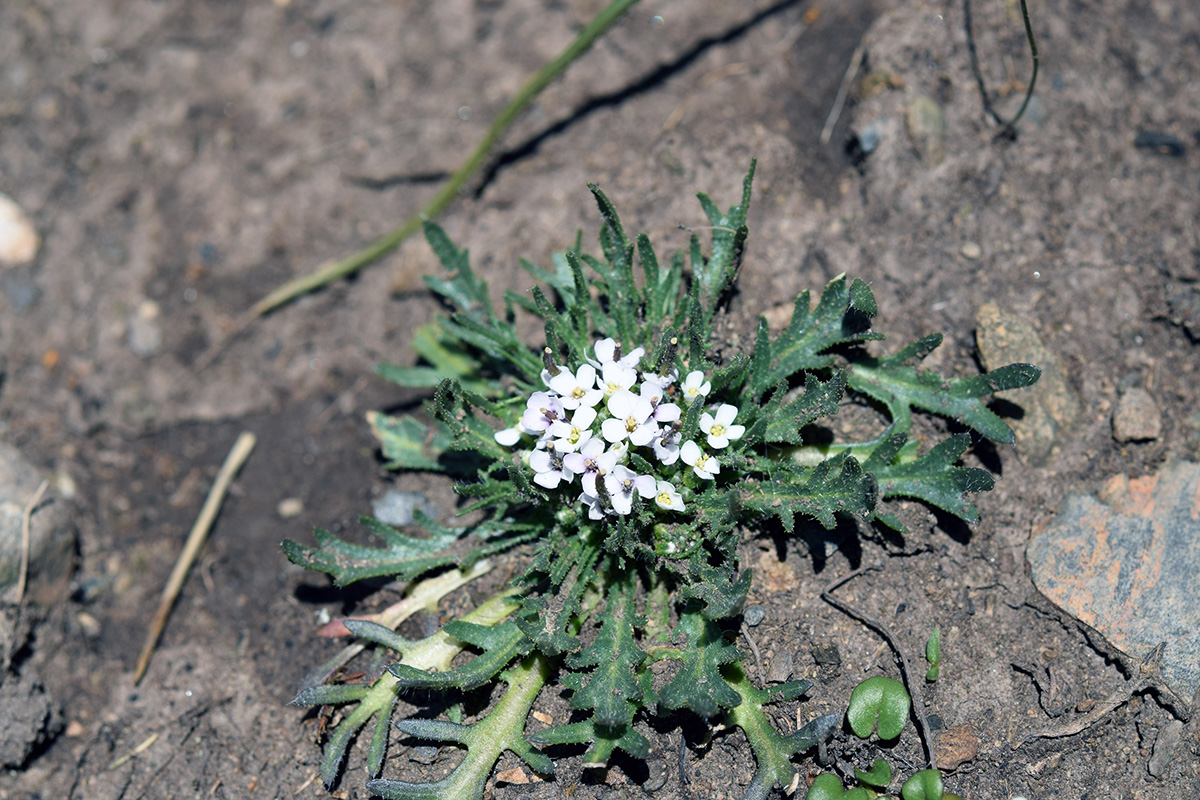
(613, 430)
(574, 462)
(667, 412)
(645, 485)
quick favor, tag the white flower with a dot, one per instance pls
(630, 419)
(704, 466)
(541, 411)
(508, 437)
(615, 377)
(621, 484)
(663, 412)
(619, 451)
(666, 448)
(570, 436)
(591, 462)
(662, 380)
(667, 497)
(694, 386)
(550, 469)
(720, 429)
(595, 510)
(606, 350)
(578, 389)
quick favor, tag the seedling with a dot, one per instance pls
(879, 700)
(933, 654)
(620, 461)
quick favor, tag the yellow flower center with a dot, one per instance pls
(717, 430)
(630, 424)
(664, 499)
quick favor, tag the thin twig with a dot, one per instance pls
(331, 272)
(856, 60)
(26, 520)
(918, 706)
(1010, 126)
(208, 514)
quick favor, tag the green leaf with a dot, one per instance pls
(405, 556)
(463, 289)
(925, 785)
(716, 273)
(612, 691)
(837, 485)
(782, 423)
(879, 700)
(879, 775)
(699, 685)
(902, 388)
(408, 443)
(500, 644)
(603, 741)
(836, 320)
(722, 592)
(933, 654)
(826, 786)
(932, 477)
(501, 729)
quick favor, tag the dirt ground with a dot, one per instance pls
(182, 159)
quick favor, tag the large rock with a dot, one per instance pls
(1126, 564)
(51, 532)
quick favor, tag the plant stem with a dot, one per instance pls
(336, 270)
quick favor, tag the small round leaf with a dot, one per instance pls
(880, 774)
(878, 700)
(925, 785)
(825, 787)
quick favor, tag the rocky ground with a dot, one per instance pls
(178, 161)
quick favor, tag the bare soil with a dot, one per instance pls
(183, 159)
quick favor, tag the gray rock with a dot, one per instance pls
(1126, 564)
(782, 667)
(31, 718)
(1136, 417)
(1050, 406)
(51, 533)
(1165, 745)
(754, 615)
(397, 508)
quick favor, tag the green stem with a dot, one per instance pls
(333, 271)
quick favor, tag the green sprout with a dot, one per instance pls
(618, 463)
(878, 702)
(933, 654)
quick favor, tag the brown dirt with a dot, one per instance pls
(195, 155)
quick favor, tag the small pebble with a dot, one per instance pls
(782, 667)
(145, 330)
(290, 508)
(927, 128)
(1136, 417)
(425, 754)
(754, 615)
(972, 250)
(19, 240)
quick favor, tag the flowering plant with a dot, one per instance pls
(624, 458)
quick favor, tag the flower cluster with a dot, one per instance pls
(587, 422)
